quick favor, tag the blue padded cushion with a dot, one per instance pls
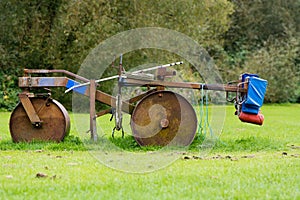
(246, 75)
(255, 96)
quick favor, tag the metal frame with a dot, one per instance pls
(88, 88)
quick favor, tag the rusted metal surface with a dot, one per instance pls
(55, 122)
(190, 85)
(162, 73)
(164, 118)
(104, 112)
(93, 125)
(42, 82)
(160, 118)
(46, 71)
(29, 109)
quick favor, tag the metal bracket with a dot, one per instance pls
(30, 111)
(162, 73)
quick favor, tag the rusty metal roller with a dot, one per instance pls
(54, 127)
(164, 118)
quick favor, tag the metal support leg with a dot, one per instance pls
(93, 126)
(30, 111)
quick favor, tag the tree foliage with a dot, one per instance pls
(239, 34)
(276, 62)
(264, 38)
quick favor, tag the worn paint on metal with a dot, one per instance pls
(80, 90)
(45, 82)
(29, 109)
(164, 118)
(42, 81)
(55, 122)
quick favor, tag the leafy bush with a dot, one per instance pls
(8, 92)
(276, 63)
(264, 39)
(239, 34)
(8, 81)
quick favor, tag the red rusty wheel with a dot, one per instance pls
(55, 122)
(164, 118)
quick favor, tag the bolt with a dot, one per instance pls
(164, 123)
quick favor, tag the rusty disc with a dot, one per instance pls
(55, 122)
(164, 118)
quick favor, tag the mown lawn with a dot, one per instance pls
(247, 162)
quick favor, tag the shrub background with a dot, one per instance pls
(258, 36)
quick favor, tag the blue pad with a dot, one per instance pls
(255, 96)
(80, 90)
(246, 75)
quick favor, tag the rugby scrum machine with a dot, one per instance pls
(159, 116)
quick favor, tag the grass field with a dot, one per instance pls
(247, 162)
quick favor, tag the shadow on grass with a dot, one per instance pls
(128, 143)
(70, 143)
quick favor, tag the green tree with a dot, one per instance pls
(276, 63)
(59, 34)
(264, 37)
(25, 28)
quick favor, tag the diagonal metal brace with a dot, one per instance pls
(29, 109)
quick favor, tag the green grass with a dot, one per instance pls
(247, 162)
(75, 175)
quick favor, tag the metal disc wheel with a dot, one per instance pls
(164, 118)
(55, 122)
